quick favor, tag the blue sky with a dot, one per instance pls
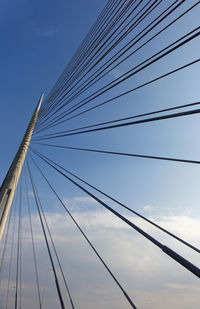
(38, 40)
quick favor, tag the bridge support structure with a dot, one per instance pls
(9, 184)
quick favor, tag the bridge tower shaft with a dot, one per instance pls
(10, 181)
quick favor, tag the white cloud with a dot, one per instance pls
(179, 286)
(79, 199)
(81, 203)
(147, 208)
(85, 199)
(151, 278)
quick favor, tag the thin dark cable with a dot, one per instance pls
(101, 50)
(100, 34)
(117, 16)
(146, 120)
(136, 88)
(136, 70)
(69, 68)
(46, 241)
(111, 25)
(45, 284)
(91, 245)
(153, 21)
(95, 27)
(119, 203)
(122, 153)
(162, 19)
(20, 256)
(122, 36)
(185, 263)
(54, 248)
(97, 23)
(18, 248)
(33, 245)
(133, 71)
(135, 116)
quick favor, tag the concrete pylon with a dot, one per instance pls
(9, 184)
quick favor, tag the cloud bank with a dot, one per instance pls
(151, 278)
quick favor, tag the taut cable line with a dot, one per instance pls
(118, 202)
(86, 238)
(173, 254)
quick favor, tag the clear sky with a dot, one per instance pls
(38, 38)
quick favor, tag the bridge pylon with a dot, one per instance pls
(9, 184)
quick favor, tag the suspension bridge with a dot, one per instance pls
(117, 122)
